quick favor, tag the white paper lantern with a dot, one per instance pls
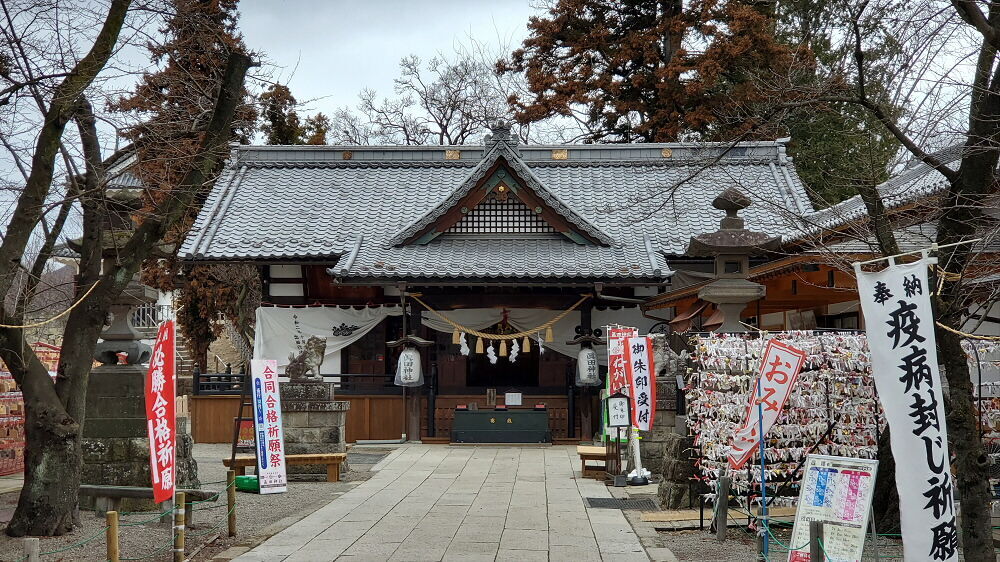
(408, 372)
(587, 370)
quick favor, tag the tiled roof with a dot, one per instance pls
(351, 206)
(914, 183)
(497, 151)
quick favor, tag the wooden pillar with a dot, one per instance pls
(585, 403)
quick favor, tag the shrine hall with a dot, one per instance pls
(381, 249)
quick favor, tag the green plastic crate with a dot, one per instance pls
(247, 484)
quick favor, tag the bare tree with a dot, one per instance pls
(54, 90)
(449, 100)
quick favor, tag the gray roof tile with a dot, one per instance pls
(309, 203)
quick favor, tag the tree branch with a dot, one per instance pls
(64, 102)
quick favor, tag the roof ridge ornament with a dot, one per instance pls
(500, 132)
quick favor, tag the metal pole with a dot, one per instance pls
(231, 500)
(179, 527)
(722, 509)
(31, 549)
(763, 474)
(111, 535)
(815, 538)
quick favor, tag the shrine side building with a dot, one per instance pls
(363, 245)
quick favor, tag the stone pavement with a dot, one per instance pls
(435, 502)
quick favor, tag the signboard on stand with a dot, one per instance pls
(838, 492)
(267, 425)
(161, 396)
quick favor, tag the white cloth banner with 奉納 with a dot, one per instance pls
(900, 327)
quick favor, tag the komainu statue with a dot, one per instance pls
(308, 361)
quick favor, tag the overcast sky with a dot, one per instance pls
(328, 50)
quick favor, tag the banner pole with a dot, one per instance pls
(763, 475)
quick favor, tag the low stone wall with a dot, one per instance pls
(115, 446)
(313, 423)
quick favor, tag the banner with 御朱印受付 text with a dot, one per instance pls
(899, 323)
(642, 379)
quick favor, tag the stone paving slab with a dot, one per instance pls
(435, 502)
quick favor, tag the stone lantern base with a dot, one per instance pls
(115, 444)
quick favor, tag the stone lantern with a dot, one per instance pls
(731, 246)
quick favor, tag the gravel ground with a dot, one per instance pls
(257, 516)
(741, 546)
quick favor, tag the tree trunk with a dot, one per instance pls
(885, 500)
(971, 463)
(47, 505)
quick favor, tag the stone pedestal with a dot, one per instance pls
(314, 423)
(677, 469)
(115, 446)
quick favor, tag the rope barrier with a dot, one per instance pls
(57, 316)
(144, 521)
(777, 540)
(215, 528)
(160, 550)
(159, 515)
(488, 336)
(81, 543)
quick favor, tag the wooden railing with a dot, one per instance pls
(229, 384)
(219, 384)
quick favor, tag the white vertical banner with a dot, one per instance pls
(267, 426)
(642, 378)
(900, 327)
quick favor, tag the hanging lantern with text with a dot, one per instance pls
(587, 371)
(408, 372)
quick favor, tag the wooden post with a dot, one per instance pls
(111, 535)
(179, 527)
(31, 549)
(761, 537)
(815, 537)
(231, 500)
(722, 509)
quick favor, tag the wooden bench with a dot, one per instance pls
(331, 460)
(109, 498)
(591, 453)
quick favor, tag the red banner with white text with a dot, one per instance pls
(161, 392)
(779, 369)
